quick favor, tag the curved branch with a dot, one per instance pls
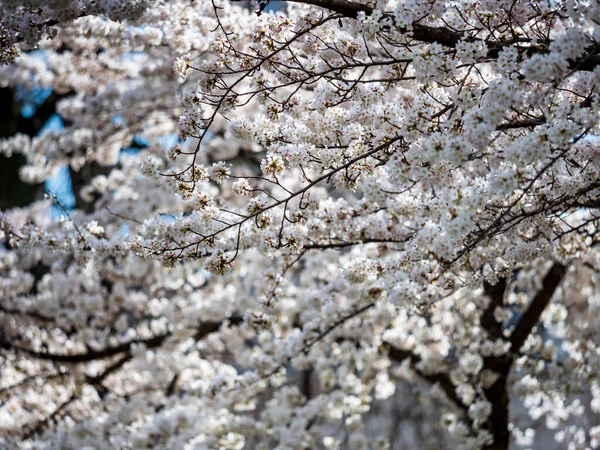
(91, 355)
(442, 380)
(203, 330)
(450, 38)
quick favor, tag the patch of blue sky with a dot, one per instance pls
(167, 217)
(141, 141)
(275, 6)
(117, 119)
(60, 184)
(31, 99)
(168, 140)
(123, 231)
(54, 123)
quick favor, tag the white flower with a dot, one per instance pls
(272, 165)
(361, 269)
(220, 171)
(173, 152)
(150, 166)
(471, 363)
(242, 187)
(218, 263)
(466, 393)
(182, 65)
(480, 411)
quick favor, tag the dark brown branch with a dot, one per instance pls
(172, 386)
(205, 329)
(110, 369)
(95, 381)
(497, 394)
(336, 324)
(530, 318)
(447, 37)
(343, 7)
(343, 244)
(31, 379)
(92, 355)
(42, 423)
(528, 123)
(496, 295)
(30, 314)
(211, 327)
(440, 379)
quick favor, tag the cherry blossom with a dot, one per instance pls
(299, 229)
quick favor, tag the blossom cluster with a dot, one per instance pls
(286, 224)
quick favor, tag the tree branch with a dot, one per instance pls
(527, 123)
(497, 394)
(447, 37)
(42, 423)
(203, 330)
(344, 244)
(30, 314)
(96, 381)
(530, 318)
(440, 379)
(496, 294)
(91, 355)
(343, 7)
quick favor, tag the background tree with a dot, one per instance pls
(303, 230)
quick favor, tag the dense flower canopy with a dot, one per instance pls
(283, 221)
